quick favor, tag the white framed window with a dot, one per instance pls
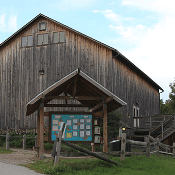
(42, 26)
(135, 111)
(27, 41)
(58, 37)
(136, 114)
(42, 39)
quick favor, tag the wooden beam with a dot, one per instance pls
(46, 113)
(98, 114)
(105, 134)
(41, 134)
(65, 105)
(89, 152)
(101, 104)
(38, 129)
(65, 93)
(75, 86)
(95, 98)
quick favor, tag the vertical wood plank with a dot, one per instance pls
(41, 142)
(38, 129)
(58, 147)
(123, 147)
(147, 147)
(105, 134)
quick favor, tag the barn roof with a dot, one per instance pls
(116, 53)
(78, 85)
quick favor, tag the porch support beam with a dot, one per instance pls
(65, 105)
(107, 100)
(97, 98)
(41, 131)
(105, 134)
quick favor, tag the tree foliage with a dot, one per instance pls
(169, 106)
(113, 124)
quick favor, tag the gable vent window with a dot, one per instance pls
(42, 26)
(58, 37)
(42, 39)
(27, 41)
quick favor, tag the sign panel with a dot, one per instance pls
(78, 127)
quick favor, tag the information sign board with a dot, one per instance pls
(78, 127)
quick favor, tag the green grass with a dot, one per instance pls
(136, 165)
(4, 151)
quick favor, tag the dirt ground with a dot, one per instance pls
(20, 156)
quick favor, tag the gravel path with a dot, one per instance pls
(9, 163)
(7, 169)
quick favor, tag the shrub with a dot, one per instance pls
(48, 146)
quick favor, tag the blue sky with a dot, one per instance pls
(142, 30)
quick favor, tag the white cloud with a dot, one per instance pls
(152, 5)
(151, 47)
(129, 34)
(8, 25)
(113, 17)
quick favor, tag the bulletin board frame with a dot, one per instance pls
(72, 113)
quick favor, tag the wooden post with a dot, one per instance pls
(24, 141)
(157, 145)
(162, 131)
(38, 129)
(147, 147)
(150, 122)
(7, 141)
(89, 152)
(36, 141)
(120, 133)
(93, 147)
(174, 149)
(41, 131)
(123, 146)
(105, 133)
(58, 148)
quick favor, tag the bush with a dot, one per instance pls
(15, 141)
(2, 141)
(30, 142)
(48, 146)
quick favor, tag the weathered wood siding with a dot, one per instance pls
(20, 80)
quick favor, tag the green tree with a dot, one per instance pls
(169, 106)
(172, 98)
(113, 124)
(163, 107)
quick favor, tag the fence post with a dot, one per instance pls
(24, 141)
(93, 147)
(150, 122)
(58, 144)
(157, 145)
(7, 141)
(36, 141)
(58, 148)
(174, 149)
(123, 146)
(147, 147)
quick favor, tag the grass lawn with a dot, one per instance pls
(4, 151)
(136, 165)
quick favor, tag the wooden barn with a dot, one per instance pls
(44, 51)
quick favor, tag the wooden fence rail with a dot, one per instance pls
(145, 144)
(24, 137)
